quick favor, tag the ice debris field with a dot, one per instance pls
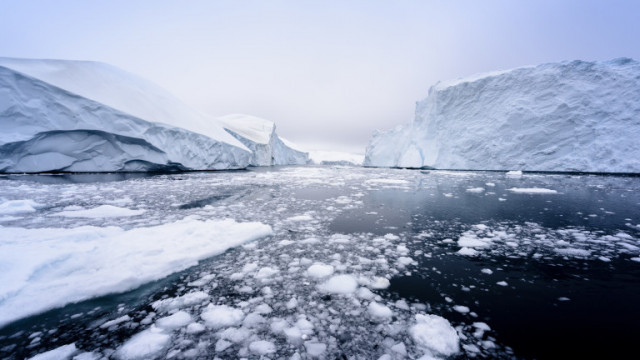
(293, 262)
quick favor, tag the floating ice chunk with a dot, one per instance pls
(144, 345)
(236, 335)
(87, 356)
(320, 270)
(278, 325)
(219, 316)
(379, 283)
(339, 284)
(502, 283)
(467, 251)
(563, 298)
(386, 182)
(61, 353)
(532, 191)
(175, 321)
(292, 303)
(636, 259)
(206, 279)
(179, 302)
(574, 252)
(480, 329)
(379, 311)
(486, 271)
(253, 320)
(402, 304)
(195, 328)
(470, 240)
(18, 207)
(262, 347)
(400, 349)
(286, 242)
(403, 261)
(300, 218)
(514, 174)
(222, 345)
(293, 335)
(103, 211)
(315, 349)
(366, 294)
(263, 309)
(435, 335)
(309, 241)
(461, 309)
(266, 272)
(476, 190)
(117, 321)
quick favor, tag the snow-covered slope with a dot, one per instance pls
(69, 125)
(568, 116)
(260, 136)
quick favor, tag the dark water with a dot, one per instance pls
(531, 315)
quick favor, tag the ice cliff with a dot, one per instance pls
(567, 116)
(260, 136)
(58, 115)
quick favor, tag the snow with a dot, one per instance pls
(86, 117)
(532, 191)
(89, 261)
(61, 353)
(259, 135)
(435, 335)
(339, 284)
(101, 211)
(567, 116)
(144, 345)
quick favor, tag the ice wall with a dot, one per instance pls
(568, 116)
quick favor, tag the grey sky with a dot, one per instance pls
(327, 72)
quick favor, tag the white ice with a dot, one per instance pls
(50, 267)
(566, 116)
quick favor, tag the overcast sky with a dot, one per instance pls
(327, 72)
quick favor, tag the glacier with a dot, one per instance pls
(574, 116)
(80, 116)
(259, 135)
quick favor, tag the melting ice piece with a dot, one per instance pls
(219, 316)
(435, 335)
(339, 284)
(144, 345)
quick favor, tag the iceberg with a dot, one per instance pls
(79, 116)
(576, 116)
(259, 135)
